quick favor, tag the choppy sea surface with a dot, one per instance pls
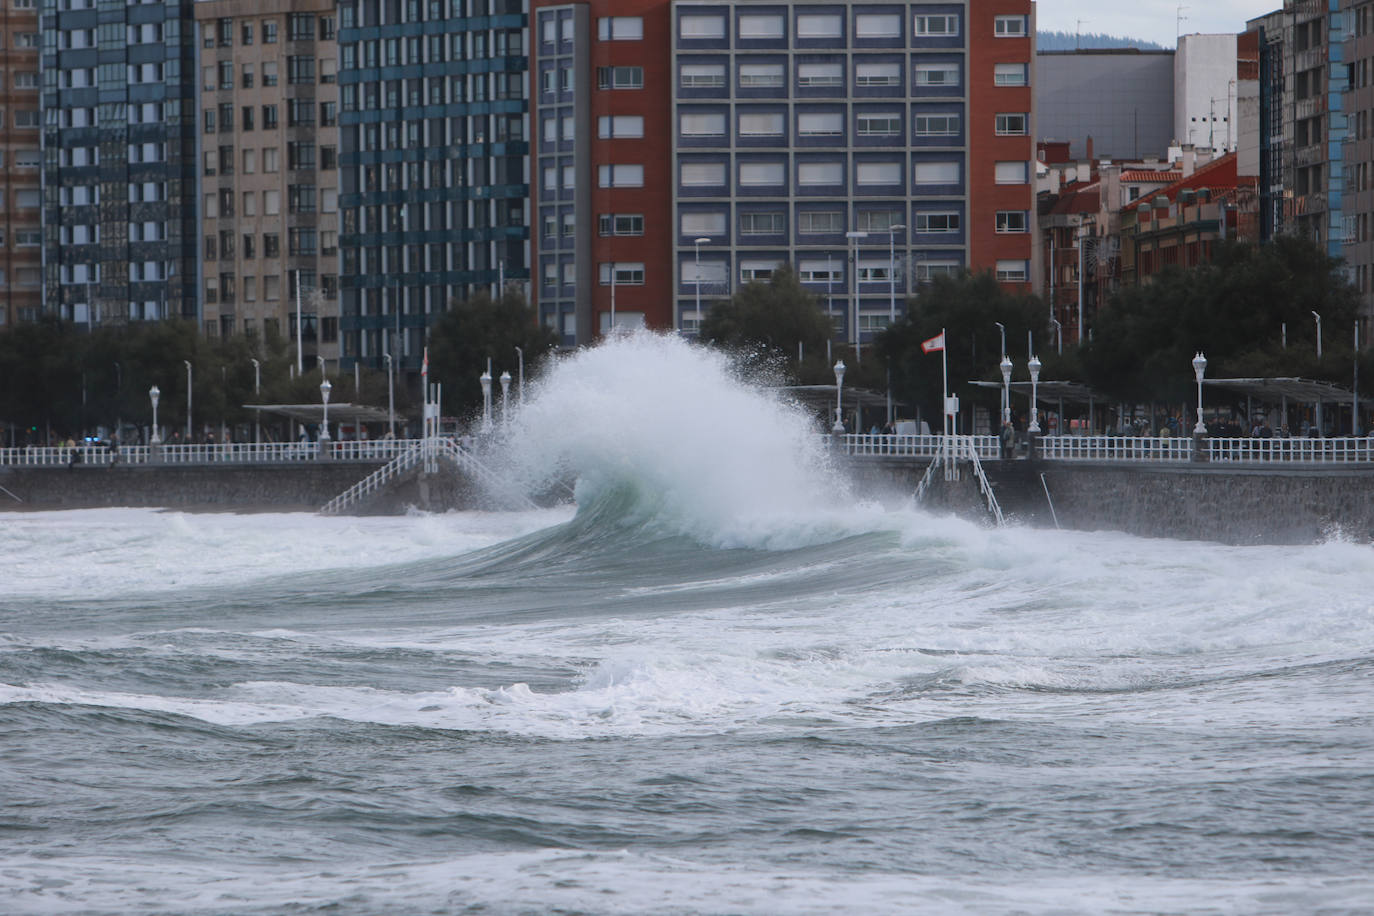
(723, 682)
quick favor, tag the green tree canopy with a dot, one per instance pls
(768, 320)
(1234, 310)
(967, 308)
(481, 328)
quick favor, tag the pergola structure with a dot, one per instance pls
(1282, 391)
(313, 414)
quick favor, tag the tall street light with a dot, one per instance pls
(520, 379)
(1319, 334)
(1199, 370)
(1005, 366)
(1058, 336)
(1035, 398)
(390, 397)
(854, 285)
(892, 271)
(485, 379)
(838, 428)
(154, 393)
(1006, 393)
(257, 388)
(505, 392)
(325, 388)
(188, 400)
(698, 244)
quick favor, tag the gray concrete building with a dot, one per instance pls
(1122, 98)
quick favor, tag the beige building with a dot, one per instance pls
(269, 189)
(21, 235)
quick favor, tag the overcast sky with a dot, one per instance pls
(1151, 20)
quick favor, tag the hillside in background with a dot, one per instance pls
(1067, 41)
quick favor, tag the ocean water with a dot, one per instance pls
(723, 682)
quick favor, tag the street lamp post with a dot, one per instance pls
(188, 400)
(697, 244)
(154, 393)
(1319, 334)
(390, 397)
(838, 428)
(1006, 392)
(325, 388)
(1058, 336)
(892, 271)
(485, 379)
(854, 285)
(257, 388)
(1034, 367)
(520, 379)
(1199, 370)
(505, 392)
(1005, 366)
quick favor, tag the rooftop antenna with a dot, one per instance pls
(1078, 35)
(1178, 22)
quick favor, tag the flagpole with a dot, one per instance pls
(944, 382)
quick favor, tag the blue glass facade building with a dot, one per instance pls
(434, 166)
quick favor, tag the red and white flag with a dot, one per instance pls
(424, 366)
(935, 343)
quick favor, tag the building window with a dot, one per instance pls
(820, 25)
(620, 224)
(621, 126)
(761, 174)
(698, 26)
(269, 31)
(1011, 220)
(878, 173)
(879, 124)
(1011, 271)
(1009, 74)
(701, 174)
(620, 176)
(761, 124)
(620, 28)
(937, 173)
(816, 271)
(942, 125)
(1011, 173)
(946, 26)
(811, 174)
(1011, 125)
(870, 75)
(761, 26)
(820, 124)
(703, 124)
(820, 222)
(625, 273)
(760, 76)
(878, 220)
(939, 75)
(701, 76)
(820, 75)
(1009, 26)
(762, 223)
(614, 78)
(698, 224)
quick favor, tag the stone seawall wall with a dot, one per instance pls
(1192, 502)
(304, 487)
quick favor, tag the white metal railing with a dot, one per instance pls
(199, 454)
(1313, 451)
(929, 446)
(965, 445)
(377, 479)
(1115, 448)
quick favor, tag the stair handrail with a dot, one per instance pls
(983, 483)
(374, 481)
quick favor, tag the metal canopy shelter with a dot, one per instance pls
(1302, 390)
(824, 396)
(314, 413)
(1053, 392)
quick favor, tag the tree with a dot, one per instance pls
(480, 328)
(1235, 310)
(966, 307)
(769, 322)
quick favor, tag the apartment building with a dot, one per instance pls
(1359, 153)
(269, 186)
(869, 145)
(119, 160)
(21, 236)
(433, 159)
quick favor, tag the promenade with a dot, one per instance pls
(1095, 449)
